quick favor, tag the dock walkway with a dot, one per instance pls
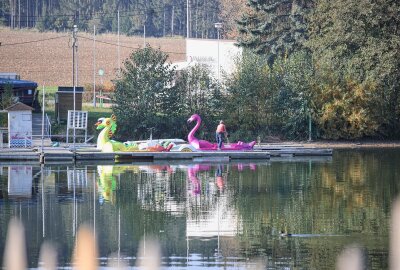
(88, 153)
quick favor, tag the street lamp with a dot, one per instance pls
(218, 25)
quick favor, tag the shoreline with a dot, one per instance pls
(351, 145)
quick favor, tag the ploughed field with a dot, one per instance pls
(49, 60)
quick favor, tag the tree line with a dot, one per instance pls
(135, 17)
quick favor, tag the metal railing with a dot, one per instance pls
(47, 127)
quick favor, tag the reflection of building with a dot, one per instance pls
(20, 181)
(221, 221)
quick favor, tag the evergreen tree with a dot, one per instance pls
(274, 27)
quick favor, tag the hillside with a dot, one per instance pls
(49, 61)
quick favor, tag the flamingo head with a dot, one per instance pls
(194, 117)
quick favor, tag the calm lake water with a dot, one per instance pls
(226, 216)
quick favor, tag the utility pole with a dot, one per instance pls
(73, 54)
(163, 18)
(309, 126)
(144, 34)
(187, 19)
(94, 66)
(19, 14)
(27, 13)
(219, 27)
(119, 61)
(172, 21)
(75, 75)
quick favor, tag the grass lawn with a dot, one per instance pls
(49, 91)
(93, 115)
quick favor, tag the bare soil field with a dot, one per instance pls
(46, 58)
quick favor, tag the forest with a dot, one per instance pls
(329, 66)
(135, 17)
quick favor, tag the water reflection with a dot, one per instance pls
(211, 214)
(20, 181)
(107, 182)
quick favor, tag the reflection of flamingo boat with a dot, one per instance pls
(192, 174)
(206, 145)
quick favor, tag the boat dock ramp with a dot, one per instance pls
(89, 153)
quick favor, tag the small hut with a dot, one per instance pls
(64, 101)
(19, 125)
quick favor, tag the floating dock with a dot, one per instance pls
(91, 154)
(150, 156)
(293, 150)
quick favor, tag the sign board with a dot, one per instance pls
(77, 120)
(208, 51)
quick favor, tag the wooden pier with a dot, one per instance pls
(66, 155)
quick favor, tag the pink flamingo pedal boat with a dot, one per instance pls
(208, 146)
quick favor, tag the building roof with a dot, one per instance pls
(19, 106)
(70, 89)
(17, 83)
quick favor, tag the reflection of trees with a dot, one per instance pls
(343, 197)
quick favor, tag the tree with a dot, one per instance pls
(357, 44)
(230, 11)
(268, 100)
(7, 97)
(274, 27)
(248, 99)
(144, 94)
(198, 90)
(199, 93)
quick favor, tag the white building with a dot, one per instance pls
(210, 52)
(19, 125)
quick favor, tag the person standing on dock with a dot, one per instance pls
(220, 133)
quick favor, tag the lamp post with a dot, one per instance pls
(101, 74)
(218, 25)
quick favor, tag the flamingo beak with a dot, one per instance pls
(190, 120)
